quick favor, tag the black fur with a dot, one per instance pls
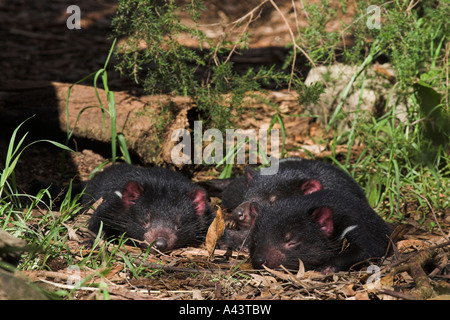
(292, 229)
(149, 204)
(295, 176)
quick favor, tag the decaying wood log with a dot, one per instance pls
(144, 121)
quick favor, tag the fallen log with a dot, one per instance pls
(144, 121)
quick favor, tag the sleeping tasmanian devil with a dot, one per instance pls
(295, 177)
(327, 230)
(153, 205)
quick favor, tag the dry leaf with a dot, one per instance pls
(266, 295)
(348, 290)
(94, 206)
(310, 274)
(387, 282)
(215, 232)
(259, 280)
(72, 233)
(268, 282)
(362, 296)
(315, 130)
(316, 148)
(246, 266)
(287, 276)
(412, 243)
(301, 269)
(197, 295)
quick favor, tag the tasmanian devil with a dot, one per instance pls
(327, 230)
(295, 176)
(153, 205)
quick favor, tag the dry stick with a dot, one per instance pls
(445, 61)
(432, 211)
(399, 295)
(423, 286)
(112, 288)
(440, 267)
(303, 8)
(293, 42)
(238, 20)
(295, 14)
(233, 25)
(413, 254)
(414, 267)
(154, 265)
(296, 46)
(411, 5)
(250, 20)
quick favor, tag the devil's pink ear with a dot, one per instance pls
(132, 191)
(310, 186)
(255, 209)
(250, 173)
(198, 196)
(324, 217)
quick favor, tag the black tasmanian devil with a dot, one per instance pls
(154, 205)
(327, 230)
(295, 176)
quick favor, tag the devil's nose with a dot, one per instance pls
(259, 261)
(240, 213)
(161, 244)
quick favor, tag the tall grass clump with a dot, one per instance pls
(19, 211)
(117, 139)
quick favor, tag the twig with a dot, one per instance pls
(233, 26)
(295, 15)
(440, 267)
(68, 286)
(424, 288)
(112, 288)
(411, 5)
(238, 20)
(399, 295)
(296, 46)
(306, 12)
(250, 15)
(432, 211)
(153, 265)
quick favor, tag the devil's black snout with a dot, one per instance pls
(161, 244)
(258, 261)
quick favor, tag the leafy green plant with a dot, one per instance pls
(151, 54)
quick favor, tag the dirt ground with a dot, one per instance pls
(38, 48)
